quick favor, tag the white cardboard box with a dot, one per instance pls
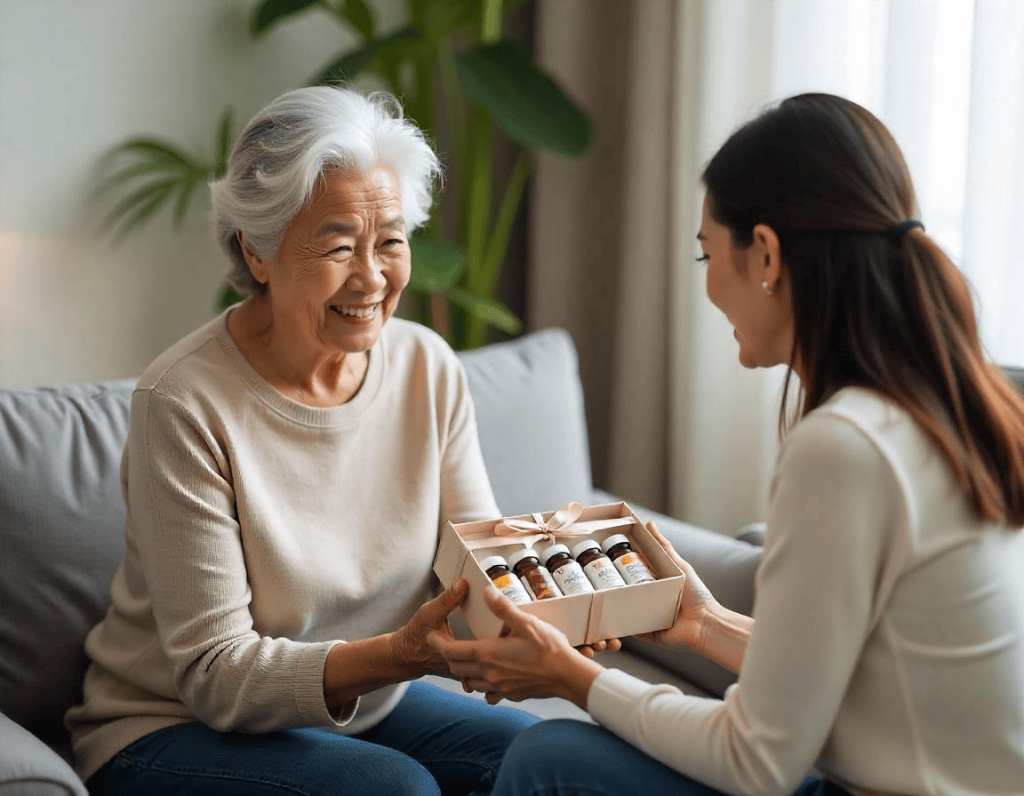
(584, 618)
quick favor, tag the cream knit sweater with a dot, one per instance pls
(260, 532)
(889, 638)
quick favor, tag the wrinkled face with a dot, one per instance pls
(762, 322)
(343, 262)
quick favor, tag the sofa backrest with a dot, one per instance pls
(61, 533)
(62, 515)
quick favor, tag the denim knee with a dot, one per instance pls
(545, 755)
(293, 763)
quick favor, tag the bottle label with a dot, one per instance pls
(603, 575)
(633, 569)
(571, 579)
(511, 587)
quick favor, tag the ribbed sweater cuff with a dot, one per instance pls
(308, 687)
(613, 696)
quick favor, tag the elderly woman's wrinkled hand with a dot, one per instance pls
(411, 649)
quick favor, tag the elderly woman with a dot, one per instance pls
(286, 470)
(886, 650)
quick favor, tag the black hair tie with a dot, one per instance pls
(896, 233)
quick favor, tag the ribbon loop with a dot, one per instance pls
(561, 523)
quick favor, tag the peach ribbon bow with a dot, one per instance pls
(563, 522)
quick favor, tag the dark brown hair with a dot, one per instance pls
(890, 314)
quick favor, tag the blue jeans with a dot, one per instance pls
(433, 742)
(563, 757)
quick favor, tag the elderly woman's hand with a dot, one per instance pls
(410, 645)
(532, 659)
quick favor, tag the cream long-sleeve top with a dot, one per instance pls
(888, 646)
(260, 532)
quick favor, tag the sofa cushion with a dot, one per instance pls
(28, 767)
(62, 533)
(529, 409)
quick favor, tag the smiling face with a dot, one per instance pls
(762, 321)
(342, 264)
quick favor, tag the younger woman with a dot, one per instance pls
(886, 650)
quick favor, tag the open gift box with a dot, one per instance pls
(584, 618)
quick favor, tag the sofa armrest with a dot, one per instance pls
(752, 534)
(727, 567)
(28, 767)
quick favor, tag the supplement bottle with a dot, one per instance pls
(627, 561)
(501, 576)
(537, 580)
(567, 573)
(599, 568)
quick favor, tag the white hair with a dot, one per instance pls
(283, 153)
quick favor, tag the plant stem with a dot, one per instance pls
(477, 210)
(478, 204)
(490, 21)
(454, 107)
(503, 221)
(424, 79)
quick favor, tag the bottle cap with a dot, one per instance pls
(614, 539)
(586, 544)
(519, 555)
(545, 555)
(492, 561)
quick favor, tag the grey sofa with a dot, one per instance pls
(61, 535)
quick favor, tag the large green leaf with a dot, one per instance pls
(352, 63)
(360, 16)
(269, 12)
(439, 19)
(523, 99)
(486, 308)
(435, 264)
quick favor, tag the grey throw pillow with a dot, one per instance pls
(529, 409)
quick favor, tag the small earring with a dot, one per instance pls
(767, 290)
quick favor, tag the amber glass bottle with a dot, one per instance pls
(501, 576)
(537, 580)
(598, 567)
(563, 568)
(628, 562)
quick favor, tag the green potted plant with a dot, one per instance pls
(457, 77)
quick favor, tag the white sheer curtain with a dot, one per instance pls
(947, 77)
(677, 423)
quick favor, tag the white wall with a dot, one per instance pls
(75, 79)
